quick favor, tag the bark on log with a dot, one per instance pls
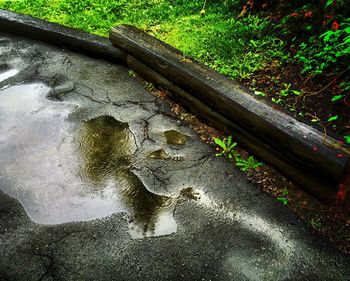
(272, 135)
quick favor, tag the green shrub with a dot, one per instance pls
(319, 36)
(330, 51)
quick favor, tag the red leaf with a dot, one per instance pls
(335, 26)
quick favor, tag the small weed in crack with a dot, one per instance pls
(227, 148)
(283, 198)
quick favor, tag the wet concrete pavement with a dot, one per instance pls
(97, 182)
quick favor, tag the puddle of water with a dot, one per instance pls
(158, 154)
(106, 146)
(38, 159)
(175, 137)
(8, 74)
(151, 214)
(62, 173)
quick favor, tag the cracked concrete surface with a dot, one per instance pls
(153, 210)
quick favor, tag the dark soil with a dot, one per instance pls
(331, 221)
(314, 104)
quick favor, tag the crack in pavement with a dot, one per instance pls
(89, 97)
(126, 103)
(145, 129)
(92, 99)
(159, 175)
(37, 57)
(49, 267)
(62, 238)
(50, 255)
(67, 61)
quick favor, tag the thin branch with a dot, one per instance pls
(320, 91)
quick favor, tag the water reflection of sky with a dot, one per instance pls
(61, 173)
(7, 74)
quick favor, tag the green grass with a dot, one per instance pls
(235, 47)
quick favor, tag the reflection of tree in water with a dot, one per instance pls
(106, 147)
(143, 205)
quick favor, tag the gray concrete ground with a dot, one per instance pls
(99, 183)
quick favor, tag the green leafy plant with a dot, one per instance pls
(247, 164)
(337, 97)
(276, 100)
(330, 50)
(131, 73)
(347, 139)
(259, 93)
(345, 86)
(333, 118)
(286, 91)
(283, 198)
(150, 86)
(321, 40)
(227, 147)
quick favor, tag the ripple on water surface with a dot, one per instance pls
(61, 173)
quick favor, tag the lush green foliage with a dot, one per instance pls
(320, 32)
(329, 51)
(213, 35)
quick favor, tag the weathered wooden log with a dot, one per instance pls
(295, 148)
(55, 34)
